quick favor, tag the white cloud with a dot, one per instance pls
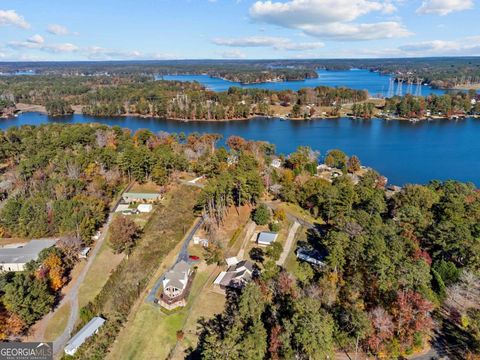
(51, 48)
(56, 29)
(444, 7)
(330, 19)
(100, 53)
(442, 47)
(233, 54)
(350, 32)
(36, 39)
(10, 17)
(277, 43)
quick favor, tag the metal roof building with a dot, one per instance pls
(15, 258)
(266, 238)
(88, 330)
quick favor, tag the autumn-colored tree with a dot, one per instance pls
(236, 143)
(15, 325)
(123, 234)
(411, 315)
(383, 328)
(353, 164)
(54, 269)
(279, 214)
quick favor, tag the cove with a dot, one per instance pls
(375, 83)
(402, 151)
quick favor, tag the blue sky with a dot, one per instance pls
(215, 29)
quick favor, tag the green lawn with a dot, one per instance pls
(152, 334)
(57, 323)
(98, 274)
(291, 261)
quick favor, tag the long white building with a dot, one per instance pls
(15, 258)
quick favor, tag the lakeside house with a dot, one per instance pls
(14, 258)
(276, 163)
(79, 338)
(266, 238)
(130, 197)
(175, 286)
(238, 274)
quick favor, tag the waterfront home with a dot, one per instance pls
(88, 330)
(130, 197)
(175, 286)
(323, 167)
(238, 274)
(276, 163)
(15, 257)
(266, 238)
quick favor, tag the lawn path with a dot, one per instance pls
(288, 243)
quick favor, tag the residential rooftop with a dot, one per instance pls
(25, 253)
(79, 338)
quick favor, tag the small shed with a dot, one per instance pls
(266, 238)
(79, 338)
(84, 252)
(145, 208)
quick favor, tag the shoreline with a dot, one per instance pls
(251, 118)
(32, 108)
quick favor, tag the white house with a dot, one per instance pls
(15, 258)
(176, 280)
(266, 238)
(276, 163)
(88, 330)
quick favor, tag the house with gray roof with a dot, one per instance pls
(14, 258)
(266, 238)
(79, 338)
(236, 276)
(175, 285)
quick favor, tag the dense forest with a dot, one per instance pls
(392, 265)
(399, 268)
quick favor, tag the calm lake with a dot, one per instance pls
(376, 84)
(404, 152)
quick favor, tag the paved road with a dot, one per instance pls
(288, 243)
(182, 255)
(72, 296)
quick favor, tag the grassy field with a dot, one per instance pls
(98, 274)
(57, 323)
(152, 334)
(291, 261)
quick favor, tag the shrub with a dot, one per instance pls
(261, 215)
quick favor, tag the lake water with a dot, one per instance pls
(376, 84)
(404, 152)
